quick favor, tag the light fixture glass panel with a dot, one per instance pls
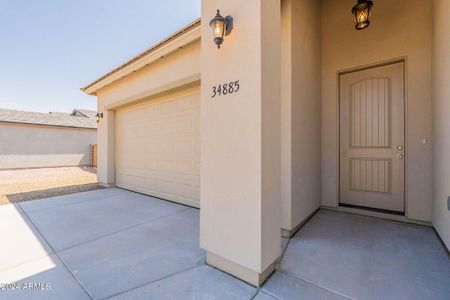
(219, 28)
(361, 14)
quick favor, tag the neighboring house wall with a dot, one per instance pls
(33, 146)
(441, 120)
(301, 112)
(399, 29)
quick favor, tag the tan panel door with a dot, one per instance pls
(158, 147)
(372, 138)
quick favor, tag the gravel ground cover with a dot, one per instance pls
(31, 184)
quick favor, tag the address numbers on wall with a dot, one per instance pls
(225, 89)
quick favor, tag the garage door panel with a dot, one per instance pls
(185, 125)
(185, 147)
(158, 176)
(187, 103)
(167, 147)
(196, 170)
(158, 148)
(151, 150)
(196, 147)
(196, 125)
(196, 192)
(167, 107)
(167, 127)
(185, 190)
(174, 192)
(152, 129)
(178, 173)
(177, 167)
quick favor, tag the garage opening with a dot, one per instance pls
(157, 148)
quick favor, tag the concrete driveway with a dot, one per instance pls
(107, 243)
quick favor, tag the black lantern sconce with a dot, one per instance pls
(221, 27)
(99, 116)
(362, 12)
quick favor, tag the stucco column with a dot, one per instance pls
(105, 151)
(240, 164)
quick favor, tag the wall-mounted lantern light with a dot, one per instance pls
(99, 116)
(361, 14)
(221, 27)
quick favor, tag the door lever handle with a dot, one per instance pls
(399, 147)
(399, 156)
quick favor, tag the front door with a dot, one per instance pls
(372, 138)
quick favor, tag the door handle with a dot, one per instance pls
(400, 156)
(399, 147)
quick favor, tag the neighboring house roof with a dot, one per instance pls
(83, 113)
(77, 119)
(182, 37)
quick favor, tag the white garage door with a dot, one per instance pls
(158, 147)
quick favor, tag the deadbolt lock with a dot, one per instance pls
(399, 147)
(399, 156)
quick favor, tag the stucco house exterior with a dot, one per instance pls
(297, 110)
(37, 140)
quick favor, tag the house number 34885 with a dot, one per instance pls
(225, 88)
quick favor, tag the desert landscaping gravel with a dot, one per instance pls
(31, 184)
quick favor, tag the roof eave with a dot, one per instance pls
(181, 38)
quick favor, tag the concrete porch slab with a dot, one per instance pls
(263, 296)
(284, 286)
(367, 258)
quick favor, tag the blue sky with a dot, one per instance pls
(51, 48)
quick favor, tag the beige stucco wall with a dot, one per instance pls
(106, 171)
(400, 28)
(33, 146)
(179, 68)
(240, 163)
(301, 111)
(441, 118)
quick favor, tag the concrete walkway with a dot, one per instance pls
(115, 244)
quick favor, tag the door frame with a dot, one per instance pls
(403, 60)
